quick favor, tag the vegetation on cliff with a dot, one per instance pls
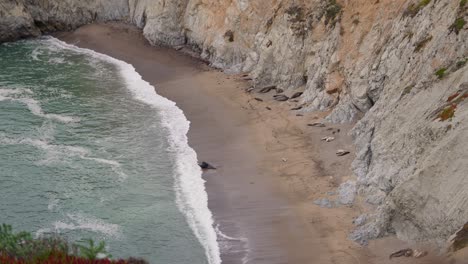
(21, 247)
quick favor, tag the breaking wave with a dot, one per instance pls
(191, 196)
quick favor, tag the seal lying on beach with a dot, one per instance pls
(206, 166)
(280, 97)
(296, 95)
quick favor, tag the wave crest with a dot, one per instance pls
(191, 196)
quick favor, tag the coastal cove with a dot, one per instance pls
(271, 164)
(383, 83)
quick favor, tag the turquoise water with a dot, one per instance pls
(88, 150)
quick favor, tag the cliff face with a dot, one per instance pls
(355, 59)
(24, 18)
(399, 66)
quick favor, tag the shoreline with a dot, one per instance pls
(272, 166)
(192, 199)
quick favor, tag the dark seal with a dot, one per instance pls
(206, 166)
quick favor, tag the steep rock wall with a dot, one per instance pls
(399, 66)
(24, 18)
(375, 60)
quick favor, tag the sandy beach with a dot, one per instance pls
(271, 164)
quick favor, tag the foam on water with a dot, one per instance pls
(35, 53)
(7, 92)
(234, 244)
(11, 94)
(77, 221)
(104, 161)
(36, 109)
(53, 204)
(60, 153)
(191, 196)
(56, 60)
(115, 165)
(18, 95)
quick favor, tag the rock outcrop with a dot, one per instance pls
(397, 66)
(26, 18)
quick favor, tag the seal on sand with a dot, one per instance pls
(206, 166)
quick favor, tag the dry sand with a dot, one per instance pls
(272, 166)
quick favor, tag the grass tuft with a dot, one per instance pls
(414, 9)
(460, 64)
(332, 11)
(440, 73)
(458, 25)
(22, 248)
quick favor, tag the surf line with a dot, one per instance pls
(191, 196)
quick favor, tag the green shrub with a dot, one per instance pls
(440, 73)
(463, 3)
(21, 245)
(91, 251)
(296, 14)
(332, 11)
(21, 248)
(413, 9)
(461, 63)
(458, 25)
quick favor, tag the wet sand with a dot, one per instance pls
(271, 165)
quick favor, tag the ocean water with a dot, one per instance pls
(89, 150)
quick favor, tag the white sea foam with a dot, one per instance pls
(9, 94)
(226, 237)
(60, 153)
(36, 109)
(234, 244)
(115, 166)
(77, 221)
(36, 52)
(57, 60)
(104, 161)
(53, 204)
(191, 196)
(23, 96)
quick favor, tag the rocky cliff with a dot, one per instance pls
(397, 66)
(25, 18)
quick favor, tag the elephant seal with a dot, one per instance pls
(206, 166)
